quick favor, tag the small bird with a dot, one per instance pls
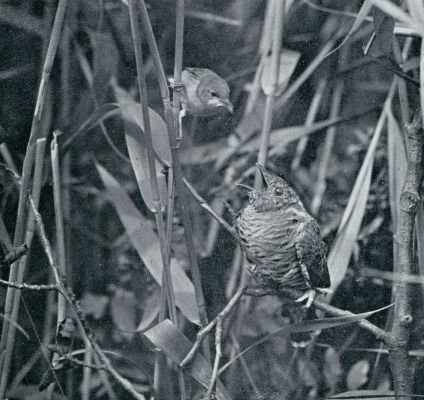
(204, 92)
(281, 240)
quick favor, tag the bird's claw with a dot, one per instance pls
(310, 295)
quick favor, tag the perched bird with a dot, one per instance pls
(204, 92)
(281, 240)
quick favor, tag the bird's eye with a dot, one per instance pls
(278, 192)
(213, 93)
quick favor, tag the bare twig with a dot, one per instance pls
(14, 255)
(209, 209)
(206, 330)
(26, 286)
(218, 355)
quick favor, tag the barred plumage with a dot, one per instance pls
(281, 240)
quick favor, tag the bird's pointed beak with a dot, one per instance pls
(246, 187)
(264, 174)
(227, 104)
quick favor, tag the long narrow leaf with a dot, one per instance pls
(136, 143)
(132, 111)
(281, 137)
(360, 18)
(308, 326)
(397, 162)
(137, 150)
(364, 395)
(147, 245)
(341, 251)
(288, 63)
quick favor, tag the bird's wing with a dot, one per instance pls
(311, 254)
(197, 73)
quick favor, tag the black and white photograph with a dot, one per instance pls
(211, 199)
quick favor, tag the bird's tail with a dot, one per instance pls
(295, 313)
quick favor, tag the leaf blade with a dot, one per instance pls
(147, 245)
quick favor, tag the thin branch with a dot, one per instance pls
(201, 335)
(26, 286)
(209, 209)
(14, 255)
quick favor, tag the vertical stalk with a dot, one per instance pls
(19, 238)
(26, 177)
(60, 231)
(158, 378)
(178, 58)
(277, 31)
(135, 30)
(422, 75)
(172, 127)
(409, 201)
(22, 263)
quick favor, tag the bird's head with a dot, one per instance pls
(214, 91)
(276, 193)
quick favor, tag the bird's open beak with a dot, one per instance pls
(244, 186)
(227, 104)
(264, 174)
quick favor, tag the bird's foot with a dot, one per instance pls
(325, 291)
(309, 295)
(253, 269)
